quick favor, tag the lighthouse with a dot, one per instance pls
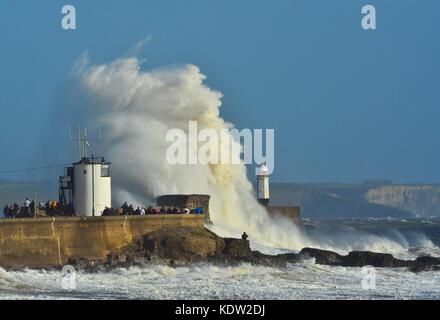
(263, 184)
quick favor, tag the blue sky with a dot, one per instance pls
(346, 104)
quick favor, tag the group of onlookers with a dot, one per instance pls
(129, 210)
(14, 210)
(29, 209)
(11, 211)
(54, 208)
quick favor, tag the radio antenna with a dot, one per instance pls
(83, 141)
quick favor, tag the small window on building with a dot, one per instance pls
(84, 171)
(105, 171)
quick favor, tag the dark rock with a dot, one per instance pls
(425, 264)
(83, 264)
(420, 267)
(237, 247)
(259, 258)
(322, 256)
(428, 260)
(187, 245)
(183, 244)
(291, 257)
(398, 263)
(367, 258)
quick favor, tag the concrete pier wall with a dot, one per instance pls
(292, 213)
(50, 242)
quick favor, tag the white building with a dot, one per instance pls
(87, 187)
(263, 184)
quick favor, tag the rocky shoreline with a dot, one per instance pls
(186, 245)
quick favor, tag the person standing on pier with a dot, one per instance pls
(27, 205)
(6, 211)
(14, 211)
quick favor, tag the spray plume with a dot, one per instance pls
(136, 109)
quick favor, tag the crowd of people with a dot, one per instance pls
(129, 210)
(54, 208)
(11, 211)
(30, 208)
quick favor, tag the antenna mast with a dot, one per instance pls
(83, 141)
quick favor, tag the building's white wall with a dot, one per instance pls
(103, 193)
(263, 187)
(83, 199)
(82, 189)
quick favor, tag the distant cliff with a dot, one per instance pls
(373, 198)
(332, 201)
(421, 200)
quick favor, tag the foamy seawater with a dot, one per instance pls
(302, 281)
(305, 280)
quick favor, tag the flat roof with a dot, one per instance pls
(96, 160)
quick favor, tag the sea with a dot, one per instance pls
(405, 238)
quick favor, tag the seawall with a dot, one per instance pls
(50, 242)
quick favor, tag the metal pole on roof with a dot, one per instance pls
(35, 204)
(93, 185)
